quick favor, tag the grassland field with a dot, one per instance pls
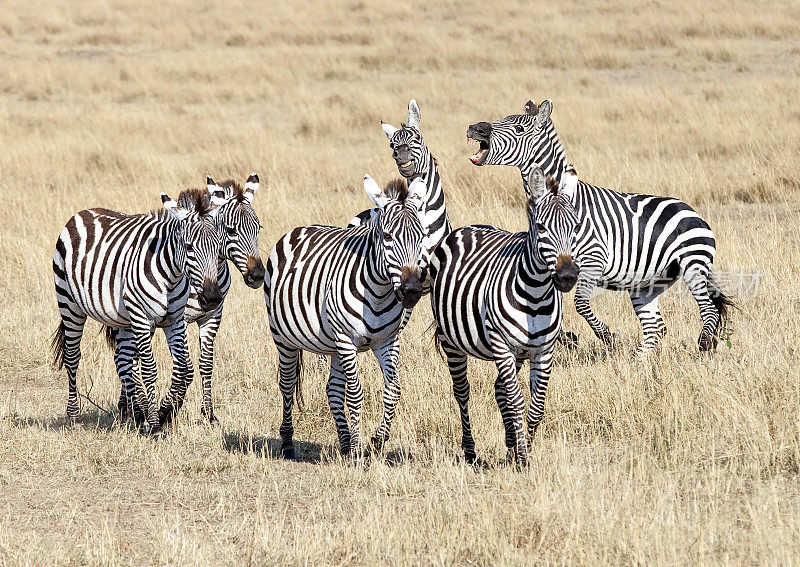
(684, 459)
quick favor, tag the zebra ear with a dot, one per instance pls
(413, 114)
(374, 192)
(543, 114)
(173, 209)
(569, 183)
(388, 129)
(250, 188)
(537, 183)
(416, 193)
(530, 108)
(215, 192)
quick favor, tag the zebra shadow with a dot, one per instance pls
(92, 419)
(305, 452)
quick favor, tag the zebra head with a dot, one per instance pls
(553, 224)
(523, 140)
(399, 236)
(197, 210)
(408, 149)
(240, 227)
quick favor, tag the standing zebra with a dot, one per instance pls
(497, 296)
(414, 161)
(340, 291)
(633, 242)
(239, 228)
(134, 273)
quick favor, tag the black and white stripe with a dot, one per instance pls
(497, 296)
(633, 242)
(340, 291)
(238, 228)
(134, 273)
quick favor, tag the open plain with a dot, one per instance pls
(682, 459)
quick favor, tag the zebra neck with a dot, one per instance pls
(530, 265)
(375, 261)
(435, 217)
(548, 154)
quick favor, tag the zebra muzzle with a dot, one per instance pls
(410, 290)
(210, 297)
(566, 274)
(254, 276)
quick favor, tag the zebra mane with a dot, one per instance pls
(232, 190)
(552, 184)
(397, 189)
(195, 200)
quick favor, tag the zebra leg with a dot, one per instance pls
(208, 332)
(126, 360)
(387, 358)
(288, 375)
(457, 364)
(653, 327)
(337, 383)
(72, 328)
(500, 397)
(512, 404)
(541, 366)
(583, 291)
(697, 280)
(348, 360)
(182, 372)
(143, 336)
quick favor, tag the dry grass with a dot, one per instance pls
(684, 460)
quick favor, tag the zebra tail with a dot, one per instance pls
(722, 302)
(57, 346)
(111, 336)
(301, 405)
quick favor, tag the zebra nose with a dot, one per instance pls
(483, 129)
(566, 275)
(410, 290)
(210, 297)
(255, 272)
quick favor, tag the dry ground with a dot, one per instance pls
(683, 460)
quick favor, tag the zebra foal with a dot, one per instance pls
(340, 291)
(134, 273)
(497, 296)
(628, 241)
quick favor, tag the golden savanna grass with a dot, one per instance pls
(683, 459)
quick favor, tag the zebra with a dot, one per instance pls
(340, 291)
(414, 161)
(629, 242)
(497, 296)
(133, 273)
(239, 244)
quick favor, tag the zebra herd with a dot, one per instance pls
(339, 291)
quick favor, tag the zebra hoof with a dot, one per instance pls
(165, 415)
(707, 342)
(158, 434)
(470, 457)
(287, 452)
(210, 417)
(376, 444)
(568, 340)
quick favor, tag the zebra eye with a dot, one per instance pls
(189, 246)
(387, 237)
(231, 232)
(519, 129)
(540, 228)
